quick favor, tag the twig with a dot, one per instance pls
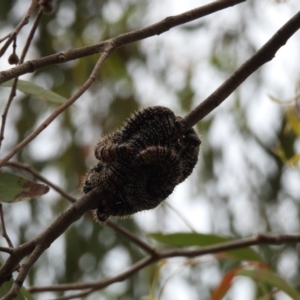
(4, 38)
(32, 8)
(4, 115)
(119, 41)
(15, 83)
(100, 284)
(132, 238)
(78, 295)
(186, 222)
(262, 56)
(261, 239)
(31, 35)
(61, 108)
(4, 233)
(6, 250)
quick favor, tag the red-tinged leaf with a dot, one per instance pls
(14, 188)
(224, 285)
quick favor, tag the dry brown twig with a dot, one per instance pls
(34, 248)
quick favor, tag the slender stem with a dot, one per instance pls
(263, 55)
(7, 106)
(6, 250)
(132, 238)
(31, 35)
(4, 233)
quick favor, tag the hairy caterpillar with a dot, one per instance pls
(140, 164)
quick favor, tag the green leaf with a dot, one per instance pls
(32, 89)
(26, 295)
(14, 188)
(272, 279)
(203, 240)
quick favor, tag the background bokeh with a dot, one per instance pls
(240, 186)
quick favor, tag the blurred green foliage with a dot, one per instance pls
(63, 153)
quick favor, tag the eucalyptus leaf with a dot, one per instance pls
(15, 188)
(272, 279)
(32, 89)
(204, 240)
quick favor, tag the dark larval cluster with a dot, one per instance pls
(141, 163)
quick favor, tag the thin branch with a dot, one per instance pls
(132, 238)
(183, 219)
(15, 83)
(4, 38)
(32, 8)
(4, 233)
(77, 296)
(119, 41)
(61, 108)
(262, 239)
(31, 35)
(100, 284)
(6, 250)
(262, 56)
(7, 106)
